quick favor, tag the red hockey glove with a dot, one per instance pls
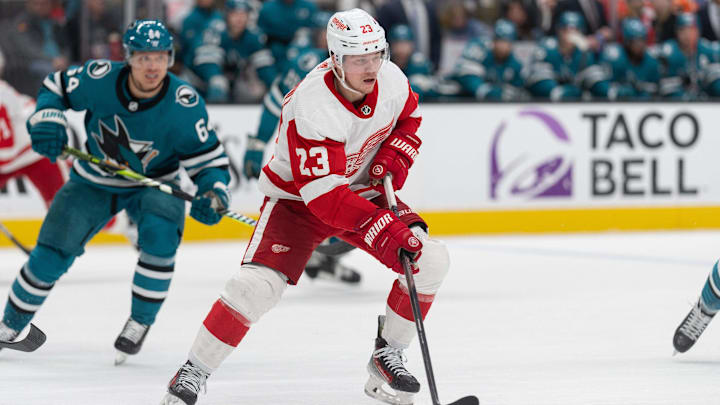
(385, 233)
(396, 155)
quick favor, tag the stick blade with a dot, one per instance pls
(34, 339)
(469, 400)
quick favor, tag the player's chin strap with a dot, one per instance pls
(342, 80)
(129, 174)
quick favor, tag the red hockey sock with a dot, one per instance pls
(399, 301)
(226, 324)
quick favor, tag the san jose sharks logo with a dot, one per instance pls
(118, 146)
(99, 68)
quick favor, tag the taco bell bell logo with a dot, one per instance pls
(530, 158)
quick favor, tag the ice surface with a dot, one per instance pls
(566, 319)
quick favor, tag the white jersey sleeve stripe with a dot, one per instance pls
(320, 186)
(223, 161)
(210, 155)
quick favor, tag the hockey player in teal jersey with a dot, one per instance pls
(139, 115)
(244, 46)
(414, 64)
(565, 68)
(691, 67)
(280, 20)
(634, 71)
(488, 70)
(201, 52)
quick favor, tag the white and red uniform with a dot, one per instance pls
(317, 185)
(319, 170)
(16, 155)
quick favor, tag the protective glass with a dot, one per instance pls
(364, 63)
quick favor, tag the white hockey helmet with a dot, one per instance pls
(354, 32)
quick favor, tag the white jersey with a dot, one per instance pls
(325, 142)
(15, 148)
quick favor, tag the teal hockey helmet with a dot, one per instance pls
(238, 5)
(400, 32)
(505, 30)
(686, 20)
(572, 19)
(148, 36)
(632, 29)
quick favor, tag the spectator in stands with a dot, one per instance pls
(38, 46)
(563, 68)
(546, 10)
(245, 47)
(634, 72)
(201, 52)
(414, 64)
(280, 20)
(459, 27)
(709, 16)
(691, 67)
(666, 12)
(596, 29)
(104, 20)
(488, 70)
(422, 18)
(524, 14)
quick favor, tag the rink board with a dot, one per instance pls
(504, 168)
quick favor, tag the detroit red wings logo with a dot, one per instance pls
(355, 160)
(278, 248)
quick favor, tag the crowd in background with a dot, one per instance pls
(235, 50)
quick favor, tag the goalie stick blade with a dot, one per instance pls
(469, 400)
(34, 339)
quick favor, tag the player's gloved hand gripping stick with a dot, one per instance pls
(126, 172)
(407, 266)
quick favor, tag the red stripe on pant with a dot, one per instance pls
(226, 324)
(399, 301)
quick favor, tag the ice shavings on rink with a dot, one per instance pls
(560, 319)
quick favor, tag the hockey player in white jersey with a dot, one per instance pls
(16, 156)
(351, 121)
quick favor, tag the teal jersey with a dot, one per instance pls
(280, 21)
(634, 80)
(418, 71)
(690, 76)
(200, 40)
(249, 49)
(155, 137)
(484, 77)
(304, 60)
(558, 76)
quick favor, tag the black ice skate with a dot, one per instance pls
(386, 368)
(691, 328)
(327, 267)
(130, 340)
(186, 385)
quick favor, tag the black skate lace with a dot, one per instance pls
(393, 358)
(696, 323)
(133, 331)
(192, 378)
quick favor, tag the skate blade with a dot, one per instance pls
(375, 388)
(120, 358)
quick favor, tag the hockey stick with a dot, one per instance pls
(34, 339)
(14, 240)
(126, 172)
(414, 302)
